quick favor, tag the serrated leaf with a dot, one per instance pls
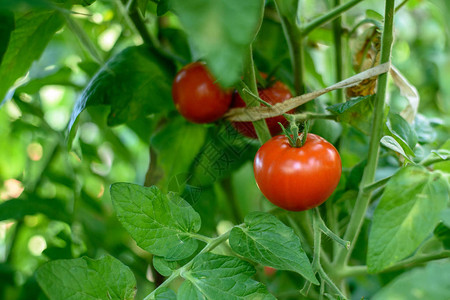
(266, 240)
(86, 279)
(409, 210)
(431, 282)
(221, 32)
(164, 267)
(221, 277)
(356, 111)
(33, 30)
(402, 132)
(391, 143)
(161, 224)
(134, 83)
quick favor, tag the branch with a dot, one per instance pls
(329, 16)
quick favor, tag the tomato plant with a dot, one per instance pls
(197, 95)
(276, 93)
(297, 178)
(122, 174)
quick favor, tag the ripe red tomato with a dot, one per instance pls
(297, 179)
(196, 95)
(269, 271)
(276, 93)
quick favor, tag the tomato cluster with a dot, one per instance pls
(200, 99)
(293, 178)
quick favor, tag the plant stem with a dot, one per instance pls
(400, 5)
(213, 243)
(338, 56)
(250, 80)
(329, 16)
(363, 198)
(407, 263)
(294, 40)
(329, 233)
(378, 184)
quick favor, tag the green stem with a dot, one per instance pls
(363, 198)
(323, 227)
(378, 184)
(294, 40)
(213, 243)
(329, 16)
(338, 56)
(400, 5)
(405, 264)
(261, 128)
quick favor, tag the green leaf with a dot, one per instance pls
(431, 282)
(224, 151)
(86, 279)
(221, 277)
(221, 32)
(59, 77)
(6, 27)
(445, 216)
(164, 267)
(187, 291)
(266, 240)
(391, 143)
(409, 210)
(134, 83)
(163, 7)
(161, 224)
(402, 132)
(177, 144)
(33, 30)
(357, 112)
(165, 294)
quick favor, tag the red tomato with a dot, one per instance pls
(297, 179)
(269, 271)
(196, 95)
(276, 93)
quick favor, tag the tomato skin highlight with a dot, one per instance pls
(274, 94)
(196, 95)
(297, 179)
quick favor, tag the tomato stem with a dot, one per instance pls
(364, 196)
(323, 227)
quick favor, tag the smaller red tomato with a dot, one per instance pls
(297, 179)
(274, 94)
(196, 95)
(269, 271)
